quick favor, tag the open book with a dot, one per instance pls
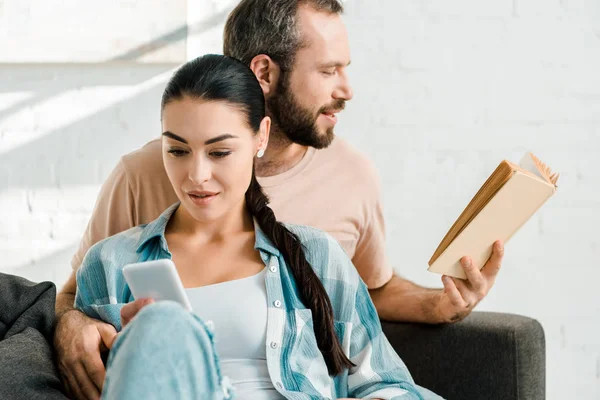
(509, 197)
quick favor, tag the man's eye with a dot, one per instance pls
(329, 72)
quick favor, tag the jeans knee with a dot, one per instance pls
(171, 319)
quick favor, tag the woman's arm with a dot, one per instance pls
(96, 294)
(379, 372)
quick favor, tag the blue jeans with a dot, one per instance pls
(165, 352)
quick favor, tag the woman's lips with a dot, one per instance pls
(202, 198)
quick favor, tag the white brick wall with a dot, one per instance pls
(444, 91)
(37, 31)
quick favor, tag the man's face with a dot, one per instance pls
(307, 98)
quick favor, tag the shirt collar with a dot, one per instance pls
(156, 229)
(263, 242)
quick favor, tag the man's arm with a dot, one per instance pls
(403, 301)
(79, 341)
(65, 299)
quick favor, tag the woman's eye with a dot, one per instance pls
(177, 152)
(220, 154)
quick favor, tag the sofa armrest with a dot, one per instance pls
(486, 356)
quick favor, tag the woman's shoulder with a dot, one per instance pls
(314, 240)
(325, 254)
(121, 245)
(307, 233)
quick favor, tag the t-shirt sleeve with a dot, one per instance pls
(370, 257)
(114, 212)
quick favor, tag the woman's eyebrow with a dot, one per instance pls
(174, 137)
(209, 141)
(220, 138)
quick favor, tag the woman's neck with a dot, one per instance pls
(237, 220)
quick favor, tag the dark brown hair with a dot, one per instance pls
(269, 27)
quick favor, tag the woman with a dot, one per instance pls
(292, 319)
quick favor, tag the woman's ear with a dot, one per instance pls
(263, 134)
(267, 72)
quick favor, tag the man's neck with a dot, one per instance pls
(280, 156)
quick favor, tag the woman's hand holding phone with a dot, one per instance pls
(130, 310)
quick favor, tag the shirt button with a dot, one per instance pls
(273, 268)
(279, 385)
(273, 345)
(210, 325)
(277, 303)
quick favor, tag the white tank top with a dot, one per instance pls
(238, 312)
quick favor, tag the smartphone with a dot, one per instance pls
(157, 279)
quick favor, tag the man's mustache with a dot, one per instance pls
(337, 105)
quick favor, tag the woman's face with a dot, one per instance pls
(208, 153)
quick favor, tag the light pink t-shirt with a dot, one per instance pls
(334, 189)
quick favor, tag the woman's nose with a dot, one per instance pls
(200, 171)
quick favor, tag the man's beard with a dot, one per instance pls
(298, 124)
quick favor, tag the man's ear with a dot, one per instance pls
(267, 72)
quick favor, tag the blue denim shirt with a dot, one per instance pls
(296, 366)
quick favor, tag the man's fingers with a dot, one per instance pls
(474, 276)
(75, 390)
(83, 384)
(108, 333)
(466, 293)
(67, 383)
(90, 368)
(493, 264)
(78, 341)
(94, 369)
(452, 292)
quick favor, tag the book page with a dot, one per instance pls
(528, 164)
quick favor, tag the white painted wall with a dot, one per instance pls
(443, 92)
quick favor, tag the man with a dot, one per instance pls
(299, 53)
